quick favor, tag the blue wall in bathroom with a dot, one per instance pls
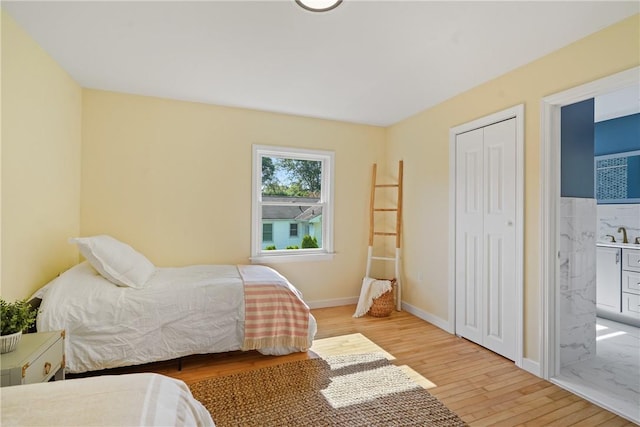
(577, 131)
(617, 135)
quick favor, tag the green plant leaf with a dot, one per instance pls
(16, 316)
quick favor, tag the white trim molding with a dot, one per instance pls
(335, 302)
(427, 317)
(531, 366)
(550, 202)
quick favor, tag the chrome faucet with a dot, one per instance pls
(613, 239)
(624, 234)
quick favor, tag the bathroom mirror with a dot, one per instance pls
(617, 177)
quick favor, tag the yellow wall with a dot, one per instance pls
(41, 119)
(423, 142)
(173, 179)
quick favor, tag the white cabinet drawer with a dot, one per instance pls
(631, 282)
(38, 357)
(631, 259)
(631, 304)
(46, 365)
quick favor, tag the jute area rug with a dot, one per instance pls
(347, 390)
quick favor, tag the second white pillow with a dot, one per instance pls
(115, 261)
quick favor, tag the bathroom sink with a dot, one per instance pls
(618, 245)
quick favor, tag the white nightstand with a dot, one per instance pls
(38, 357)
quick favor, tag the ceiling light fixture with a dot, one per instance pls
(319, 5)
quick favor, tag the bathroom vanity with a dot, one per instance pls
(618, 282)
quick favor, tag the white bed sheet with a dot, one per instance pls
(111, 400)
(188, 310)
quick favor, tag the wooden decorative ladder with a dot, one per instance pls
(372, 233)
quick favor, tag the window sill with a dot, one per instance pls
(276, 259)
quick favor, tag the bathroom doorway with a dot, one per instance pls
(556, 211)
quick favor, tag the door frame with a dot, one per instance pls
(550, 203)
(516, 112)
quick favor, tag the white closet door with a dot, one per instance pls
(485, 236)
(500, 237)
(469, 237)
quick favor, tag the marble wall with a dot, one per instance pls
(577, 292)
(611, 217)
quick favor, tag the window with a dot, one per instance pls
(292, 215)
(267, 232)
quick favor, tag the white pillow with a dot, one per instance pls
(115, 261)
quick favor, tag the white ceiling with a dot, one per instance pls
(372, 62)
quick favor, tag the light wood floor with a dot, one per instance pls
(480, 386)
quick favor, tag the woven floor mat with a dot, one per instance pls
(348, 390)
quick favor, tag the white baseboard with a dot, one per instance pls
(332, 302)
(531, 366)
(434, 320)
(528, 365)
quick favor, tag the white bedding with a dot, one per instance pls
(181, 311)
(111, 400)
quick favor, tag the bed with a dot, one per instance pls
(110, 400)
(170, 312)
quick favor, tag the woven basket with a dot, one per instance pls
(8, 343)
(385, 303)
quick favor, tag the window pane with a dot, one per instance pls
(267, 232)
(291, 222)
(291, 177)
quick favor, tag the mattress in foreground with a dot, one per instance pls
(110, 400)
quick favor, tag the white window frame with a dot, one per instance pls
(327, 158)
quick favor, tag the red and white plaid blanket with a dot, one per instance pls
(275, 314)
